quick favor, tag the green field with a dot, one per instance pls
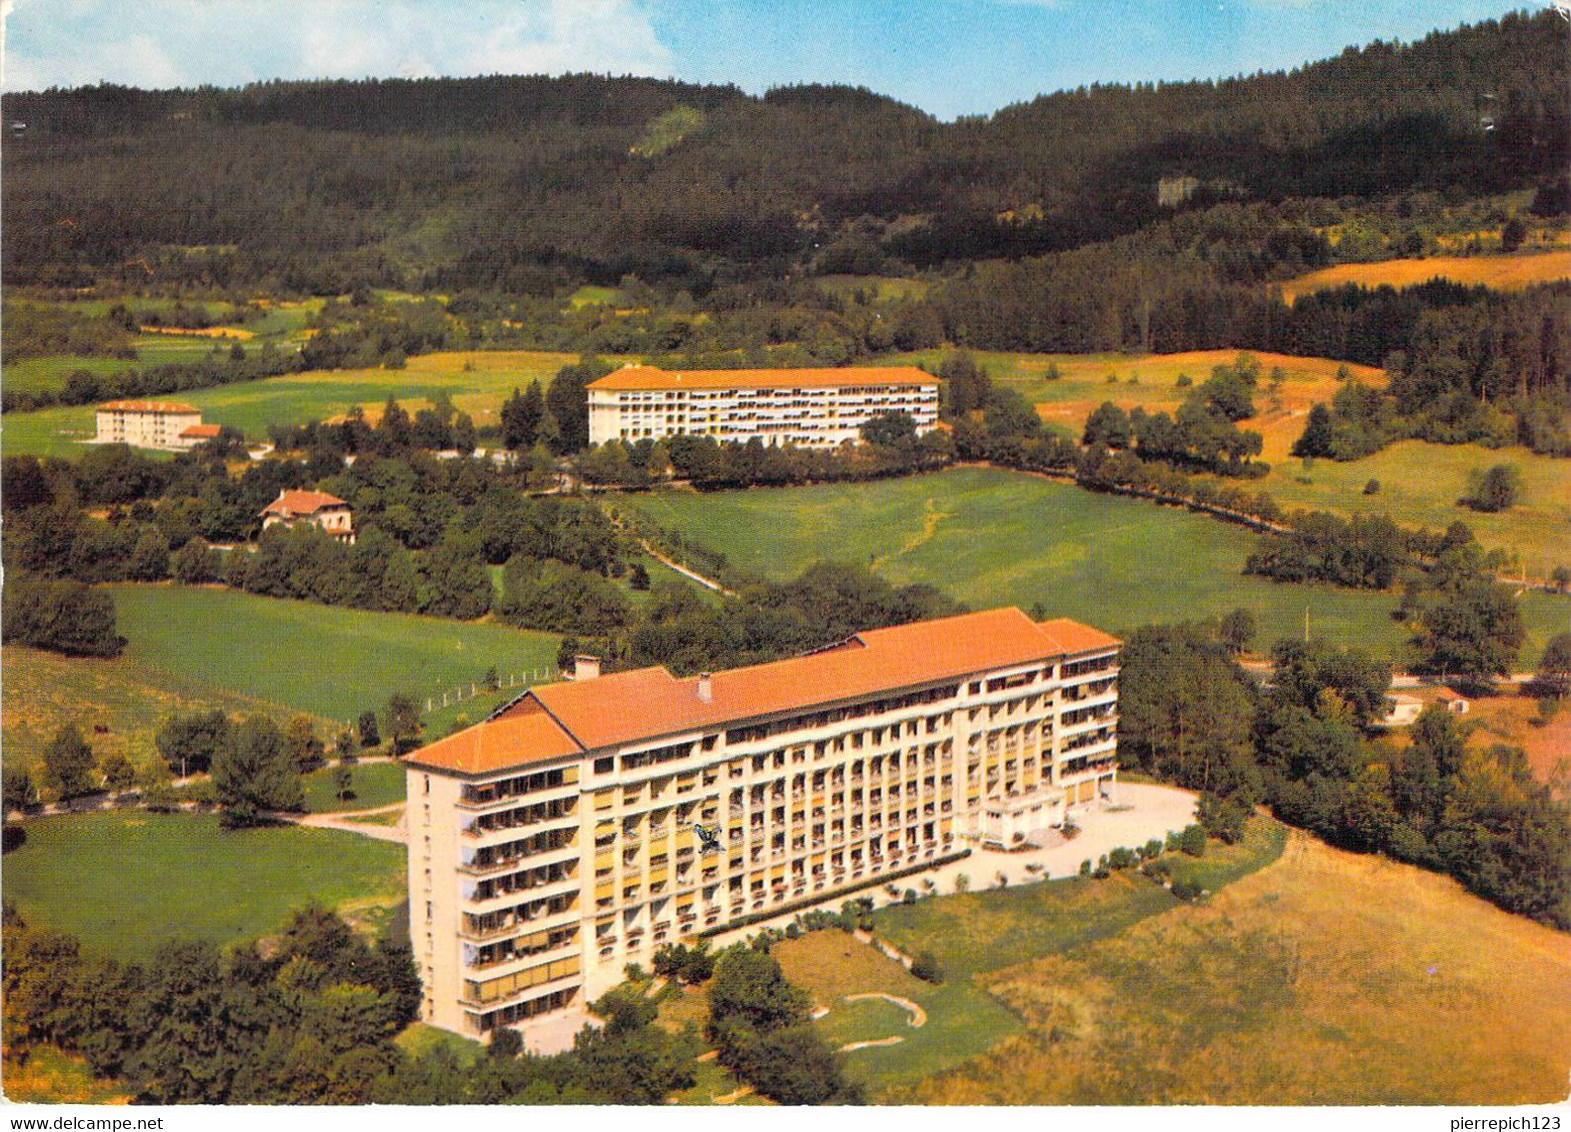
(991, 537)
(315, 658)
(1420, 484)
(251, 406)
(125, 881)
(370, 785)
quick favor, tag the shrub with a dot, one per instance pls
(792, 931)
(1122, 858)
(1152, 849)
(1085, 868)
(1187, 889)
(1184, 381)
(1070, 830)
(909, 897)
(1193, 841)
(1158, 871)
(927, 968)
(1372, 487)
(962, 883)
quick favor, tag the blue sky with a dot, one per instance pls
(949, 57)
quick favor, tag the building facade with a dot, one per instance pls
(591, 821)
(295, 508)
(812, 408)
(145, 424)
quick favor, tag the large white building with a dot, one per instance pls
(588, 822)
(171, 425)
(814, 408)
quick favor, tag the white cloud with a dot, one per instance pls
(186, 42)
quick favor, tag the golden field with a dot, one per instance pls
(1503, 272)
(1326, 978)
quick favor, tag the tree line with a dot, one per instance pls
(1307, 744)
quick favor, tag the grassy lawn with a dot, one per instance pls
(1329, 978)
(251, 406)
(962, 1020)
(315, 658)
(371, 785)
(125, 881)
(986, 930)
(990, 537)
(419, 1040)
(128, 700)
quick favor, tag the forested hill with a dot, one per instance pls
(528, 184)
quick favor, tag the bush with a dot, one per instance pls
(1085, 868)
(1193, 841)
(1152, 849)
(962, 883)
(66, 617)
(1122, 858)
(1372, 487)
(1187, 890)
(927, 968)
(909, 897)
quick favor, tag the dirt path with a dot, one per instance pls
(849, 1046)
(344, 822)
(707, 583)
(918, 1017)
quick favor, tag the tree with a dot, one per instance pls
(1108, 424)
(1237, 630)
(66, 617)
(119, 774)
(342, 780)
(1497, 489)
(403, 722)
(68, 763)
(189, 742)
(194, 563)
(1554, 668)
(890, 430)
(1317, 438)
(149, 561)
(18, 788)
(366, 725)
(638, 577)
(927, 968)
(305, 746)
(1512, 233)
(748, 986)
(254, 773)
(1474, 631)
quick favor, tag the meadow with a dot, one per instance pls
(990, 537)
(1327, 978)
(1419, 485)
(477, 381)
(119, 704)
(370, 785)
(125, 881)
(1501, 272)
(320, 659)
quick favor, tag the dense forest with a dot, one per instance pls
(525, 184)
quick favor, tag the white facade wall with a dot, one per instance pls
(143, 428)
(808, 807)
(811, 417)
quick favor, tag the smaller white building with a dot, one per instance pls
(295, 508)
(150, 424)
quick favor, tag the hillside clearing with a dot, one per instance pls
(1328, 978)
(1007, 538)
(321, 659)
(1502, 272)
(125, 881)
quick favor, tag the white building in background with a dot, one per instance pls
(591, 821)
(150, 424)
(812, 408)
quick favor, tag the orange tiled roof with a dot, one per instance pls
(632, 377)
(295, 502)
(149, 407)
(650, 702)
(521, 735)
(203, 430)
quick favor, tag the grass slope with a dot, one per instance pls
(125, 881)
(1329, 978)
(370, 785)
(1502, 272)
(251, 406)
(40, 691)
(315, 658)
(992, 537)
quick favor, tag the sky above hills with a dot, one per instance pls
(950, 57)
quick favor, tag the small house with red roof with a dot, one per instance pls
(294, 508)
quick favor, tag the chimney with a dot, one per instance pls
(586, 667)
(705, 690)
